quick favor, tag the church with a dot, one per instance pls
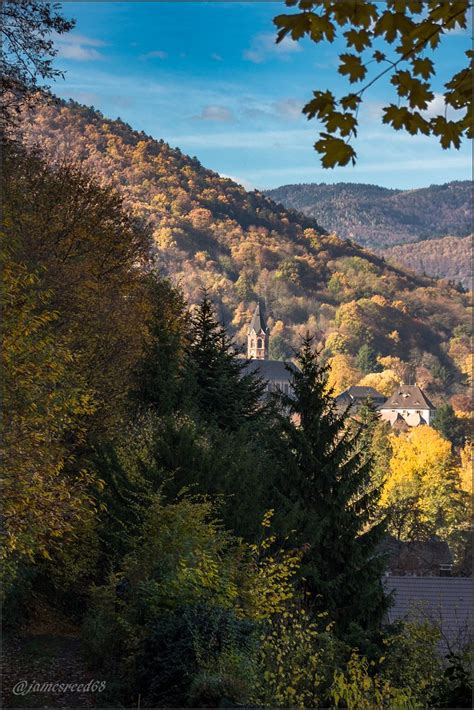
(274, 372)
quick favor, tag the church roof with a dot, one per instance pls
(258, 322)
(408, 397)
(271, 370)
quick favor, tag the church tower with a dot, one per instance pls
(258, 336)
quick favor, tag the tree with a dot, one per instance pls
(385, 382)
(46, 404)
(366, 359)
(26, 29)
(422, 493)
(341, 373)
(447, 423)
(159, 373)
(325, 496)
(218, 386)
(410, 30)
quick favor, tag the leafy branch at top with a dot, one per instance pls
(411, 28)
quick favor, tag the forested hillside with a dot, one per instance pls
(378, 217)
(209, 232)
(446, 258)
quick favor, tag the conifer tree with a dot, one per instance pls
(220, 389)
(159, 374)
(328, 503)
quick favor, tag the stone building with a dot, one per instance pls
(276, 373)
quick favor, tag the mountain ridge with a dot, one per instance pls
(379, 217)
(209, 232)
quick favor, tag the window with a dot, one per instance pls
(259, 343)
(252, 343)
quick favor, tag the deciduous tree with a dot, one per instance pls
(396, 39)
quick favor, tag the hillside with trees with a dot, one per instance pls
(207, 231)
(378, 217)
(175, 534)
(446, 258)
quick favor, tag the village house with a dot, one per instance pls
(354, 397)
(408, 405)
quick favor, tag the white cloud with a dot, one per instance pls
(215, 113)
(155, 54)
(288, 108)
(264, 46)
(216, 57)
(78, 47)
(240, 181)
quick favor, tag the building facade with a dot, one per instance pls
(276, 373)
(410, 405)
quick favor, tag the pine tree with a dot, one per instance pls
(159, 375)
(221, 391)
(449, 425)
(366, 360)
(327, 500)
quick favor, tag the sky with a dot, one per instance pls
(208, 78)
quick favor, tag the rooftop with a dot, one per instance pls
(258, 323)
(408, 397)
(359, 392)
(446, 602)
(272, 370)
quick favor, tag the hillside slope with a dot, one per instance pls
(209, 232)
(378, 217)
(446, 258)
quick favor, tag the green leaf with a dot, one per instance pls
(321, 27)
(345, 123)
(294, 25)
(351, 65)
(423, 67)
(334, 151)
(358, 39)
(323, 104)
(397, 116)
(350, 102)
(417, 124)
(449, 132)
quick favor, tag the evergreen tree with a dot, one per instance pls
(327, 499)
(447, 423)
(366, 360)
(221, 391)
(159, 375)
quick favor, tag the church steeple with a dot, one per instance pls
(258, 336)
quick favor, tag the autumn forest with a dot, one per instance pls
(177, 530)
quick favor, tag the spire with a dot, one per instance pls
(258, 323)
(258, 336)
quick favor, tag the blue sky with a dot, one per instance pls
(208, 78)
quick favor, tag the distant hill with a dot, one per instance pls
(378, 217)
(210, 232)
(446, 258)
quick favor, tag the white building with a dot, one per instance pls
(410, 404)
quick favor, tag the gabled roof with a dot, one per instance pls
(258, 322)
(420, 557)
(446, 602)
(408, 397)
(400, 424)
(361, 393)
(271, 370)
